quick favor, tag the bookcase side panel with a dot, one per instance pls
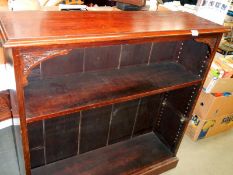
(14, 65)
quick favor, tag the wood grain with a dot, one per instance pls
(94, 128)
(125, 86)
(61, 137)
(120, 158)
(45, 28)
(45, 98)
(5, 107)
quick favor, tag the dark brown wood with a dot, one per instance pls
(45, 98)
(213, 46)
(160, 167)
(145, 118)
(123, 121)
(37, 62)
(211, 42)
(46, 28)
(5, 107)
(72, 63)
(97, 127)
(102, 58)
(94, 128)
(163, 51)
(31, 60)
(119, 158)
(135, 54)
(133, 2)
(109, 84)
(18, 112)
(174, 115)
(36, 143)
(61, 137)
(190, 48)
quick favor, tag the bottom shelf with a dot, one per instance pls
(144, 154)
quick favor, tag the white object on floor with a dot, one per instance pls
(7, 80)
(21, 5)
(102, 8)
(72, 7)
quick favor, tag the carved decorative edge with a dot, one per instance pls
(34, 58)
(5, 112)
(211, 42)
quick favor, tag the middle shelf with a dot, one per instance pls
(47, 98)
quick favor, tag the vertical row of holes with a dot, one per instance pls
(189, 104)
(203, 63)
(186, 113)
(161, 111)
(179, 52)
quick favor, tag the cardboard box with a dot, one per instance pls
(215, 85)
(226, 64)
(210, 106)
(200, 128)
(220, 77)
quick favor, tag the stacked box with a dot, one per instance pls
(211, 106)
(213, 114)
(220, 77)
(200, 128)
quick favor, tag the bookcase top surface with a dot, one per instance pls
(47, 28)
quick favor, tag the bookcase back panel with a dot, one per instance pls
(63, 65)
(37, 148)
(166, 114)
(195, 56)
(94, 129)
(109, 97)
(135, 54)
(164, 51)
(76, 60)
(183, 99)
(123, 119)
(87, 130)
(146, 114)
(61, 137)
(54, 139)
(174, 114)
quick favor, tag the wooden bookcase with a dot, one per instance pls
(104, 92)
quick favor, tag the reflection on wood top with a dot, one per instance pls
(44, 28)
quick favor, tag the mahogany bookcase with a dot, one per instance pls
(104, 93)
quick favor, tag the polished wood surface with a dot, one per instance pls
(127, 157)
(86, 82)
(43, 28)
(46, 97)
(103, 126)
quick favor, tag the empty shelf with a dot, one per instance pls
(140, 154)
(66, 94)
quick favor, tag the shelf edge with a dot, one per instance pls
(109, 102)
